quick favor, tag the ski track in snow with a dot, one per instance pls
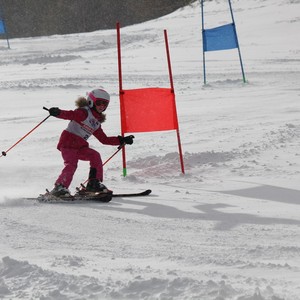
(227, 229)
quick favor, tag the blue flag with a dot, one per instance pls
(2, 27)
(220, 38)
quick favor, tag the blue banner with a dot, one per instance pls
(2, 27)
(220, 38)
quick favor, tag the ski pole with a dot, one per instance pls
(119, 148)
(21, 139)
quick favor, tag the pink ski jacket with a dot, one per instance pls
(71, 140)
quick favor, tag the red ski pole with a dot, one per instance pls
(21, 139)
(119, 148)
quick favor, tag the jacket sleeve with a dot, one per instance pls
(106, 140)
(77, 115)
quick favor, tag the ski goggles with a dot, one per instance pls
(99, 102)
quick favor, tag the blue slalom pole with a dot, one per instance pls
(202, 17)
(237, 42)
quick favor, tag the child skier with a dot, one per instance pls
(84, 121)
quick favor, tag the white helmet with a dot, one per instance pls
(97, 97)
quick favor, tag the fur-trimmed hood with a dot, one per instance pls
(82, 102)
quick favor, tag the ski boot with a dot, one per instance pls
(95, 186)
(60, 191)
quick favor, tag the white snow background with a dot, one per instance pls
(227, 229)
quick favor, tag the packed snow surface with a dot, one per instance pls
(227, 229)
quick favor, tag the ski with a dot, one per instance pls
(144, 193)
(89, 197)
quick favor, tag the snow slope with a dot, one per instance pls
(227, 229)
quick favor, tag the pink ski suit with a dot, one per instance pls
(74, 146)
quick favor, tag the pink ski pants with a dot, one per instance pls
(71, 157)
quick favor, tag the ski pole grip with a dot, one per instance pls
(121, 146)
(124, 143)
(45, 108)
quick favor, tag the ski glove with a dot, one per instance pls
(126, 139)
(54, 111)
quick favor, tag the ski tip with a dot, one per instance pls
(147, 192)
(138, 194)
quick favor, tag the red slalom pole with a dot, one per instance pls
(121, 92)
(172, 89)
(21, 139)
